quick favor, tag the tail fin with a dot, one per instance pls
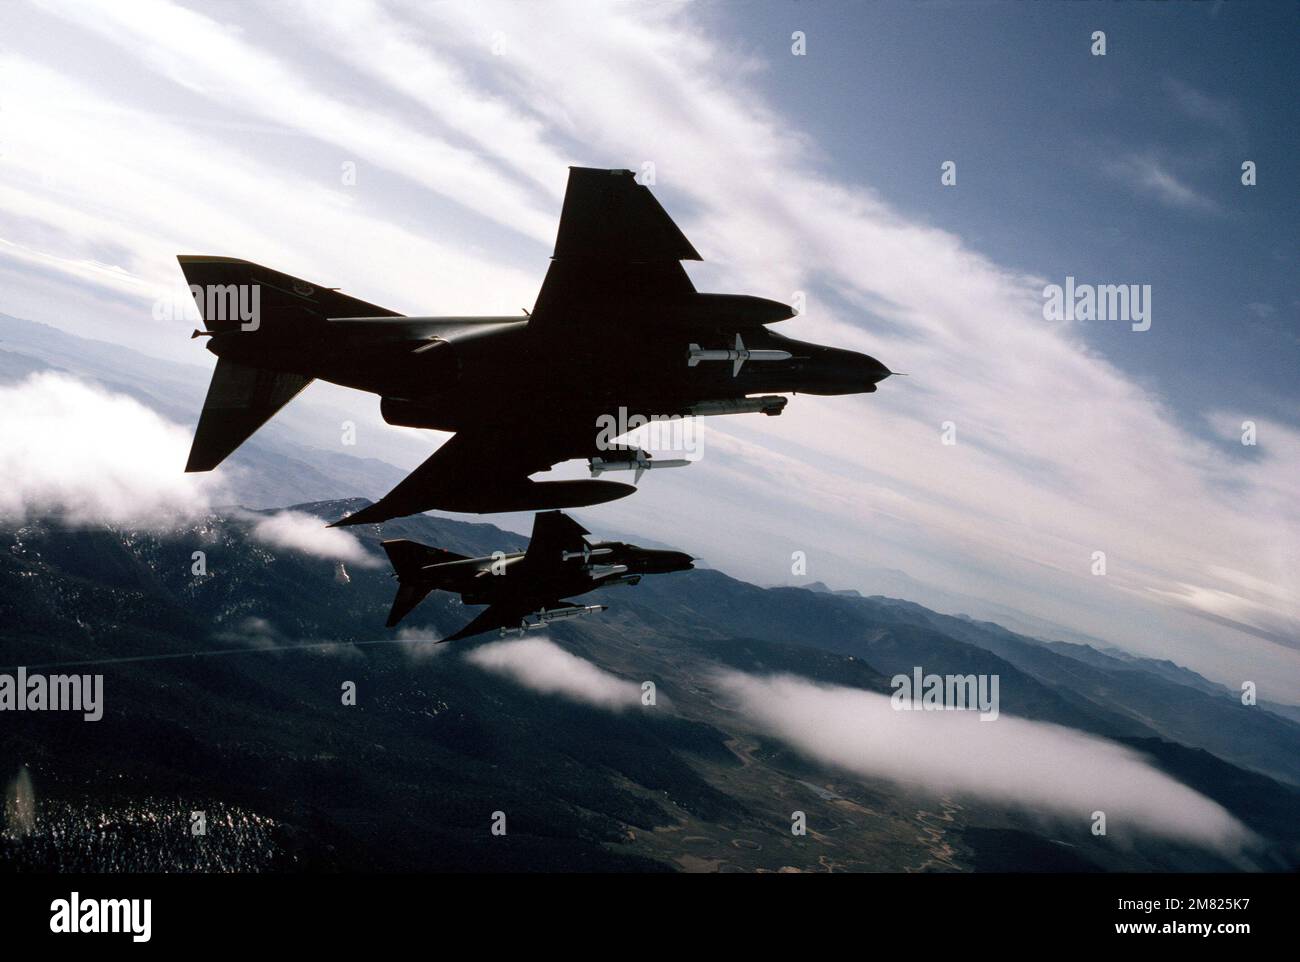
(409, 559)
(222, 285)
(237, 298)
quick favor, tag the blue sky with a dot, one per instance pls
(133, 132)
(1013, 94)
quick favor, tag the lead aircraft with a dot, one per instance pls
(617, 327)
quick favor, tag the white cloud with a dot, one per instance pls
(420, 644)
(255, 632)
(1148, 176)
(73, 449)
(1205, 108)
(1041, 768)
(268, 87)
(296, 531)
(543, 666)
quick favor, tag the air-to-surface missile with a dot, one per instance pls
(640, 462)
(544, 618)
(738, 355)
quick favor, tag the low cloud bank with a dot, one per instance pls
(421, 644)
(255, 632)
(296, 531)
(543, 666)
(88, 455)
(75, 450)
(1025, 764)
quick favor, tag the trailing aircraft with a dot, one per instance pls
(525, 590)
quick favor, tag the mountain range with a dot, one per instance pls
(213, 707)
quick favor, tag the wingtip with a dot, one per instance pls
(365, 516)
(346, 522)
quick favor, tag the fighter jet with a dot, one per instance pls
(617, 327)
(524, 590)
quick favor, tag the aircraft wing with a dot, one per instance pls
(615, 245)
(486, 469)
(554, 533)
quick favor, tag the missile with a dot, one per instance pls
(603, 571)
(586, 554)
(560, 614)
(738, 355)
(545, 617)
(641, 462)
(625, 580)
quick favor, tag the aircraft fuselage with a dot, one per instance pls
(485, 581)
(460, 372)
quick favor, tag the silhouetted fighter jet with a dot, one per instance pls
(525, 590)
(617, 325)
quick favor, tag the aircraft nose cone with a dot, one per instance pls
(875, 371)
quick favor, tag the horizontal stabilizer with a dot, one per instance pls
(240, 400)
(409, 594)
